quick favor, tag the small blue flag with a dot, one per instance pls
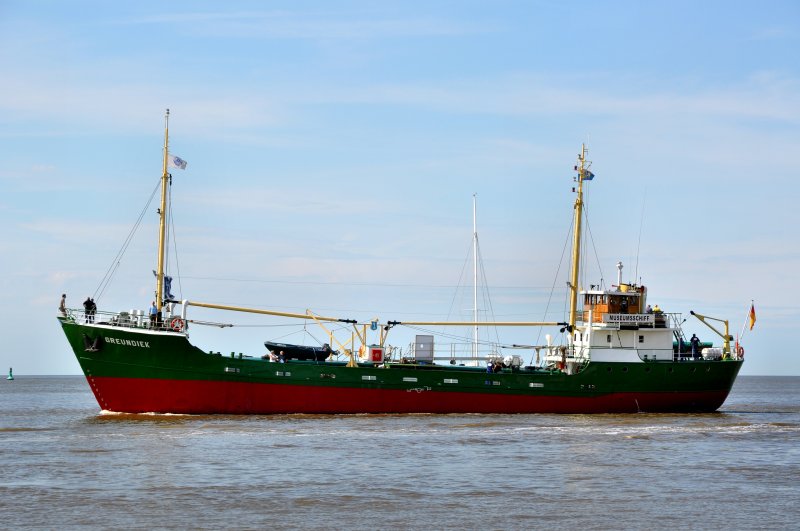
(587, 175)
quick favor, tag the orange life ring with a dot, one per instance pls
(176, 324)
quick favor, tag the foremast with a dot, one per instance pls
(576, 240)
(162, 225)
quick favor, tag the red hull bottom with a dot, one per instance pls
(138, 395)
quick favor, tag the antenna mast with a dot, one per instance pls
(576, 240)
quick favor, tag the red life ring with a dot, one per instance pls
(740, 351)
(176, 324)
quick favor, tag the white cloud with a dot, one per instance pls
(307, 25)
(129, 105)
(771, 33)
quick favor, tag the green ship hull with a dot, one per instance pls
(140, 370)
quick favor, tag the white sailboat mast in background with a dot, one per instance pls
(475, 275)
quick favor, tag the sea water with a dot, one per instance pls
(67, 465)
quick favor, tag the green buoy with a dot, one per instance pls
(10, 374)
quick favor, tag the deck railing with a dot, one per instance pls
(130, 319)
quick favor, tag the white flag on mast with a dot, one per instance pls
(176, 162)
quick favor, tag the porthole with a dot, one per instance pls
(624, 369)
(608, 369)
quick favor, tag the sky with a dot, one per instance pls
(334, 149)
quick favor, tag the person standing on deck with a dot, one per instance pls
(695, 342)
(62, 306)
(153, 314)
(87, 309)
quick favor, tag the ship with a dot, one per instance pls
(615, 354)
